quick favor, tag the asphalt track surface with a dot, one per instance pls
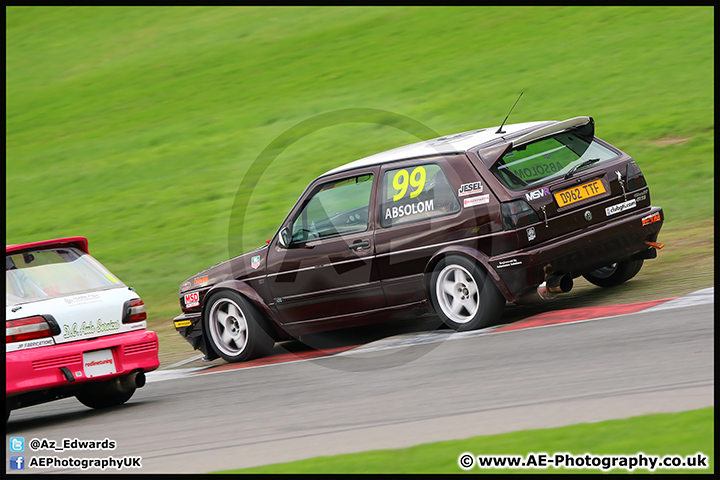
(405, 390)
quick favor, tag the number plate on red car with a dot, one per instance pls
(581, 192)
(98, 363)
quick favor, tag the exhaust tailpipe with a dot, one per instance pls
(553, 285)
(132, 381)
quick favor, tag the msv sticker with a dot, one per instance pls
(470, 189)
(539, 193)
(474, 201)
(255, 261)
(620, 207)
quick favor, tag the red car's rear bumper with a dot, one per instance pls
(40, 368)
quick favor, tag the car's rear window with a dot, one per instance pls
(548, 158)
(41, 274)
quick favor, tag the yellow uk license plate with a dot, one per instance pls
(580, 192)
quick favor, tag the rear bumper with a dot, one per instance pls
(40, 368)
(576, 253)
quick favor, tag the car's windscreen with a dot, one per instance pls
(549, 158)
(41, 274)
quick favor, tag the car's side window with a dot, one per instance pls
(415, 193)
(337, 208)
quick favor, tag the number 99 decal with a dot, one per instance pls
(402, 180)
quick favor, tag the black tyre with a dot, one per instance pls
(233, 328)
(104, 395)
(615, 273)
(463, 295)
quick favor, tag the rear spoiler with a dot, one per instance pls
(490, 156)
(79, 242)
(554, 128)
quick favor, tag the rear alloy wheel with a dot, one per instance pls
(615, 273)
(233, 329)
(463, 296)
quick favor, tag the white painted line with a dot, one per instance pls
(700, 297)
(184, 362)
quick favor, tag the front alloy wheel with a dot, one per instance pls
(233, 329)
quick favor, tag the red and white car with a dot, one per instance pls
(72, 328)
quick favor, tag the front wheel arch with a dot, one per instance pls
(258, 340)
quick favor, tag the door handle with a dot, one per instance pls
(359, 244)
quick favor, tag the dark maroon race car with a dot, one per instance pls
(456, 226)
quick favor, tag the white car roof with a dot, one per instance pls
(456, 143)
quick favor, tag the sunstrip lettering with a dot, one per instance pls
(620, 207)
(409, 209)
(537, 170)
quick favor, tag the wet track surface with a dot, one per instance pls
(414, 387)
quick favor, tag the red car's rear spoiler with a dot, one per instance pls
(79, 242)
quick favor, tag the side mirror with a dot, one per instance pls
(284, 238)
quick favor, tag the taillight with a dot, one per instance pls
(30, 328)
(134, 311)
(635, 178)
(517, 214)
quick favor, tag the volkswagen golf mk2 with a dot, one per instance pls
(456, 226)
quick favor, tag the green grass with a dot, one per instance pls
(134, 126)
(683, 434)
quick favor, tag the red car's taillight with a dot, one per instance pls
(30, 328)
(635, 178)
(517, 214)
(134, 311)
